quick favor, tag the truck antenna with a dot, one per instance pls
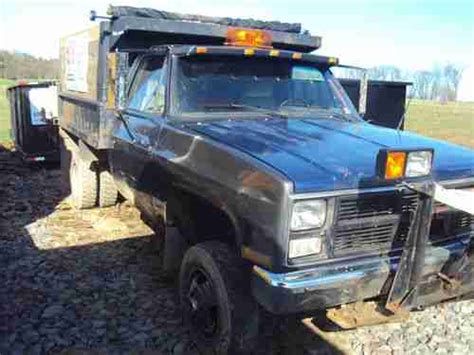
(402, 119)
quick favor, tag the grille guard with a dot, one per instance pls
(404, 289)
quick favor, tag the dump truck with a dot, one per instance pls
(269, 194)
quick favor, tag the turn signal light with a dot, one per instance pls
(248, 38)
(395, 165)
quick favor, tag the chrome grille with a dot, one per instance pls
(463, 221)
(372, 222)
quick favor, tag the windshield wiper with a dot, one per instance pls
(250, 108)
(341, 116)
(330, 113)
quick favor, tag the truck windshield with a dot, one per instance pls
(208, 86)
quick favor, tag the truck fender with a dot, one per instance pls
(87, 153)
(235, 225)
(218, 204)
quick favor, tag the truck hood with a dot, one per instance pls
(322, 154)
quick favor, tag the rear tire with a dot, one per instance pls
(218, 307)
(83, 183)
(108, 192)
(65, 151)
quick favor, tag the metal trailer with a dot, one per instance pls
(386, 100)
(33, 113)
(95, 62)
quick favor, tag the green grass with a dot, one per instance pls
(4, 110)
(453, 121)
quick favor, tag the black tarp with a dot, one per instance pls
(119, 11)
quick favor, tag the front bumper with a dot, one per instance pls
(337, 283)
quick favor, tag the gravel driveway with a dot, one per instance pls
(87, 283)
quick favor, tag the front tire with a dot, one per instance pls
(218, 307)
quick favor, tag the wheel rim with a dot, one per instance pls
(203, 308)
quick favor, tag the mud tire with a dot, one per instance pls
(108, 192)
(83, 183)
(237, 314)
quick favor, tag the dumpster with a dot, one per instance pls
(33, 114)
(385, 100)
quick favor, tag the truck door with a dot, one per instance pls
(139, 129)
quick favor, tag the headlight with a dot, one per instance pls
(308, 215)
(418, 163)
(304, 246)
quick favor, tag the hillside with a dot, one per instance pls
(15, 65)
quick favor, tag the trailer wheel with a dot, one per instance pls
(217, 305)
(108, 192)
(83, 183)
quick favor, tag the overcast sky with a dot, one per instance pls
(410, 34)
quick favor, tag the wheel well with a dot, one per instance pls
(199, 220)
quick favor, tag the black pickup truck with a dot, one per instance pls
(267, 190)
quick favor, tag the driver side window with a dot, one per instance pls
(147, 93)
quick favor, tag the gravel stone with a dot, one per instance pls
(86, 282)
(52, 311)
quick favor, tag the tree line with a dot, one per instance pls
(15, 66)
(440, 83)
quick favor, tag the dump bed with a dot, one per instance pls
(95, 62)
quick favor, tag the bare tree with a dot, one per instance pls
(385, 72)
(452, 75)
(422, 84)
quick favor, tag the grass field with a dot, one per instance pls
(452, 121)
(4, 110)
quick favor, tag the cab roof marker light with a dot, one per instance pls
(333, 60)
(201, 50)
(274, 53)
(249, 51)
(297, 55)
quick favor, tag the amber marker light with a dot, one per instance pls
(274, 53)
(395, 165)
(248, 38)
(201, 50)
(297, 55)
(249, 51)
(333, 61)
